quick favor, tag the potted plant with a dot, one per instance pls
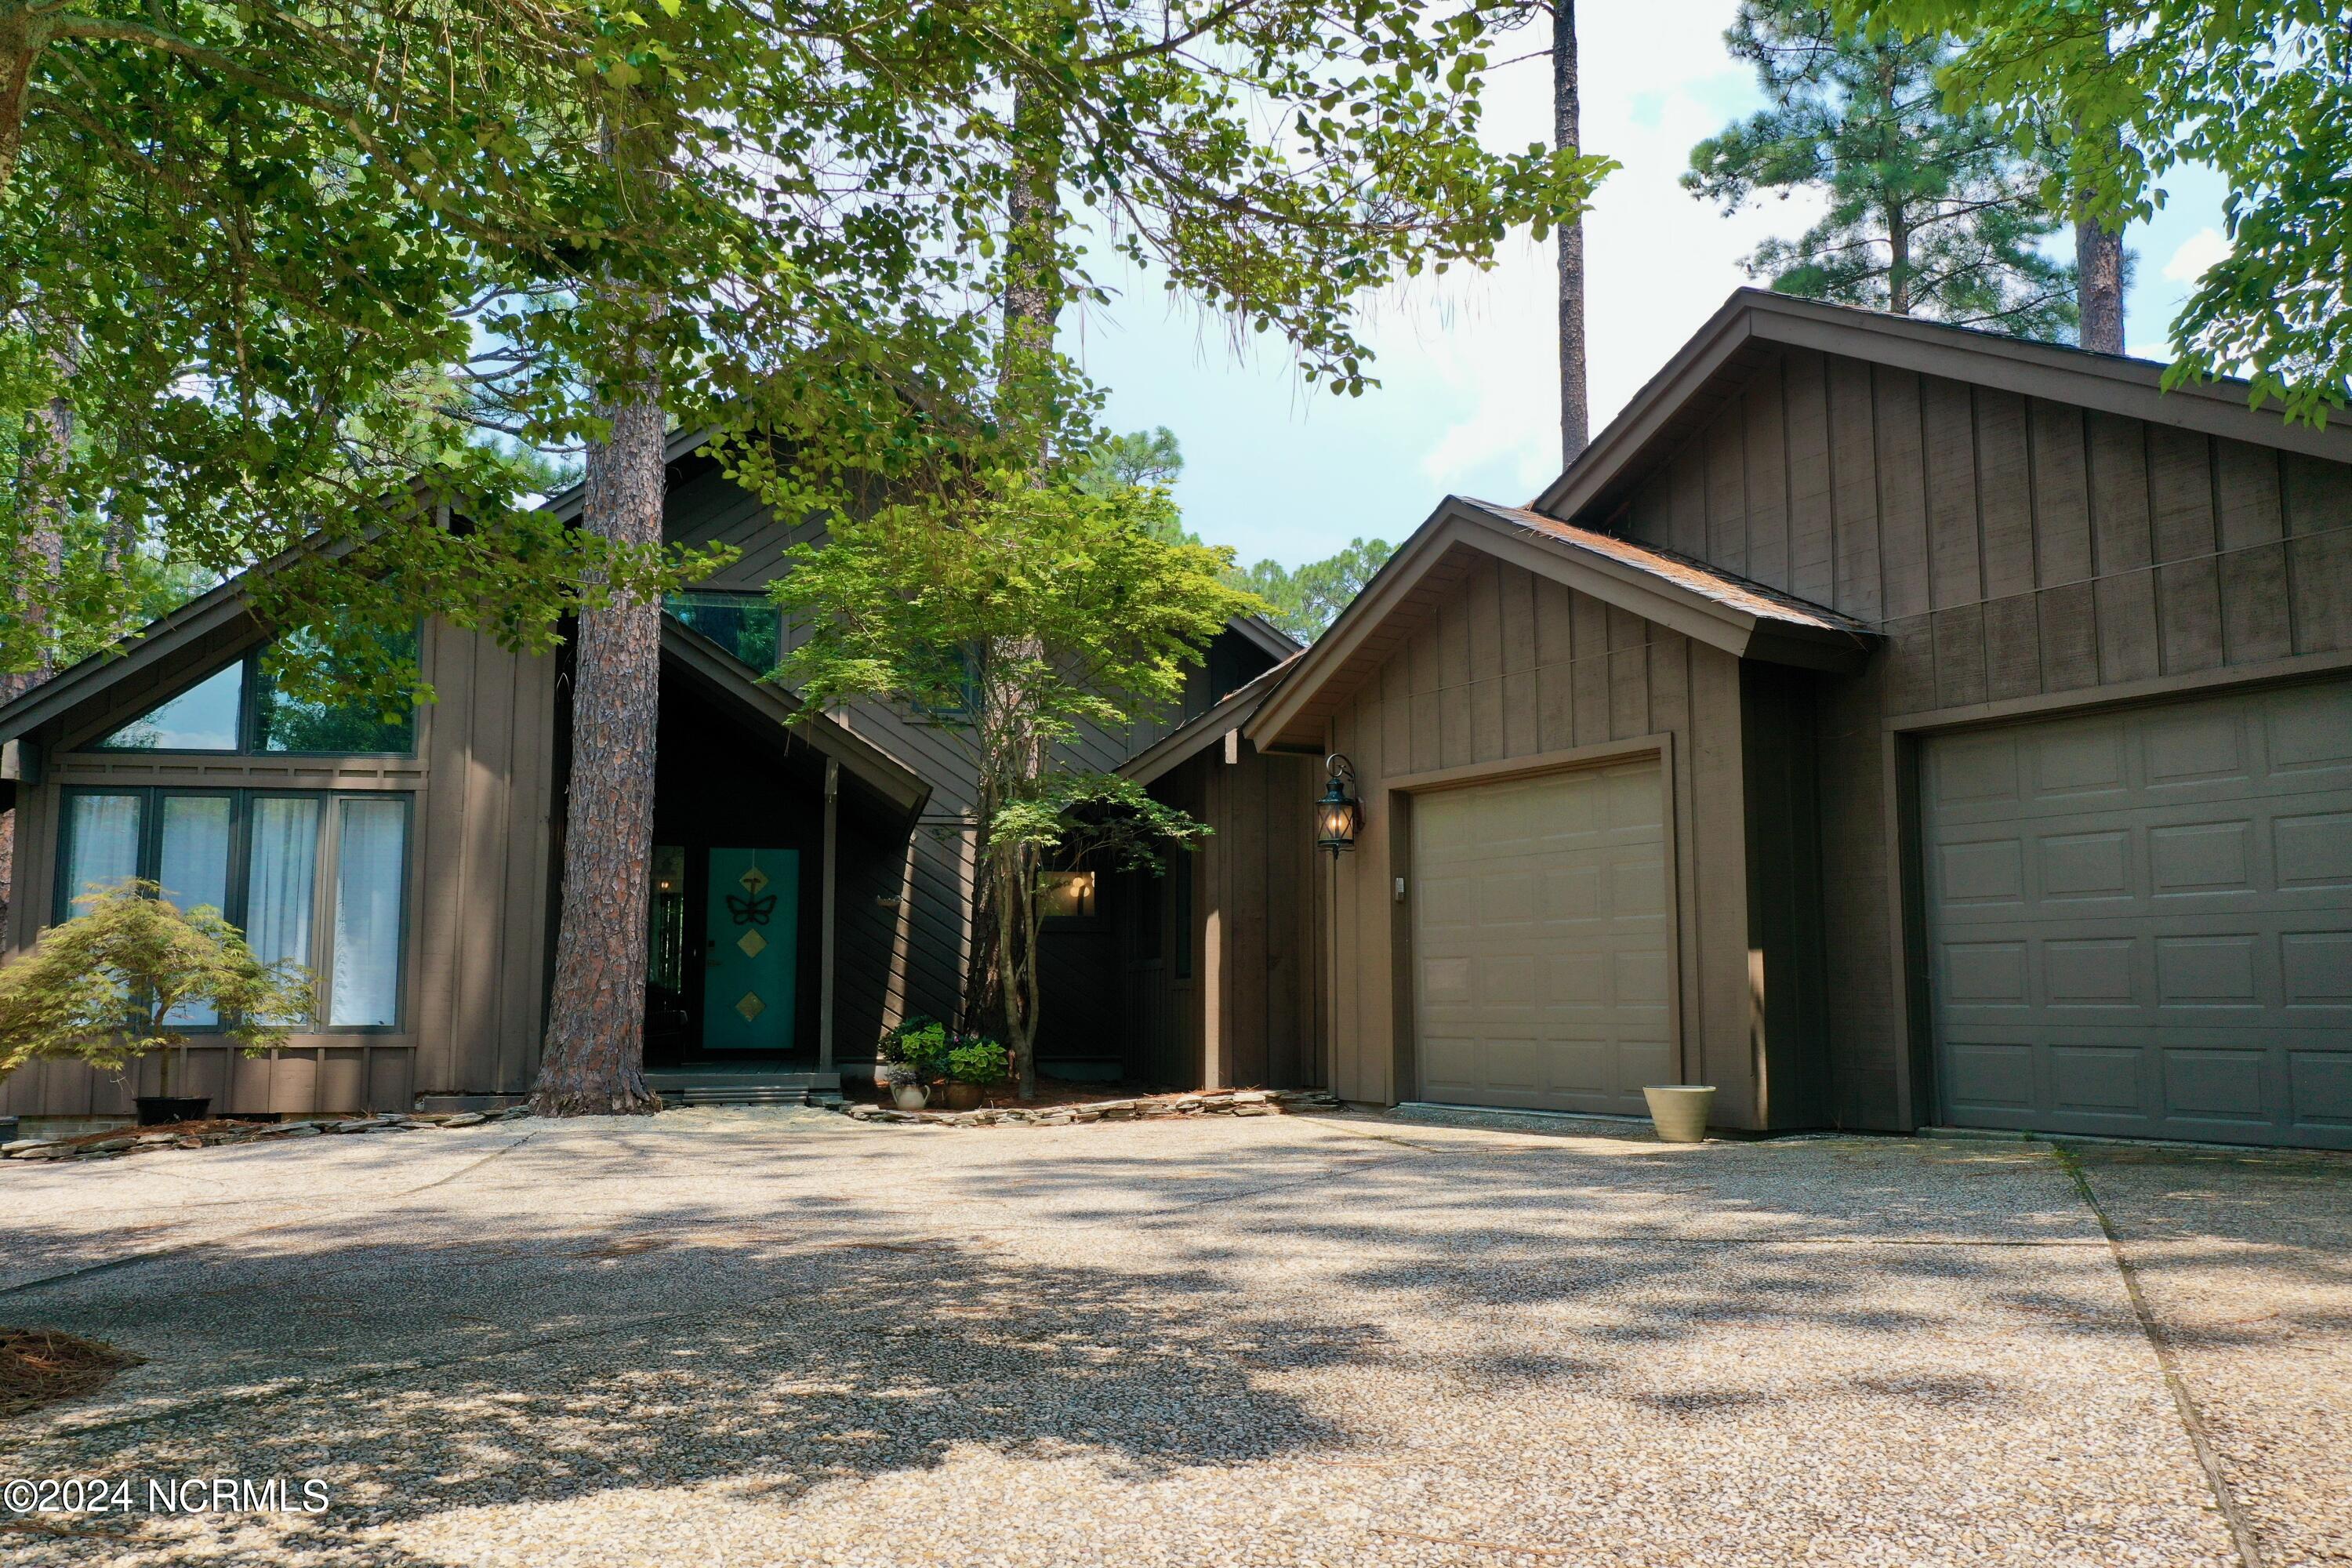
(1679, 1110)
(907, 1090)
(892, 1048)
(923, 1052)
(104, 988)
(974, 1063)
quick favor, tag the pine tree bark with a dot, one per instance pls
(2099, 274)
(1575, 406)
(592, 1062)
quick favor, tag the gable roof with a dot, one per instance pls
(719, 674)
(200, 623)
(1189, 739)
(1754, 325)
(1702, 602)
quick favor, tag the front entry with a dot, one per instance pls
(750, 954)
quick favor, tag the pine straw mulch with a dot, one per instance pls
(42, 1366)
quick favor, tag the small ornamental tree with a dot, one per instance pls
(1013, 615)
(103, 987)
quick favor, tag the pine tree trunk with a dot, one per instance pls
(593, 1061)
(1575, 408)
(2099, 269)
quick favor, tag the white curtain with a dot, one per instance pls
(104, 833)
(282, 867)
(192, 863)
(372, 837)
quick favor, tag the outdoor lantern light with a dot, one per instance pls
(1337, 815)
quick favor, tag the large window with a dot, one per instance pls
(316, 878)
(242, 709)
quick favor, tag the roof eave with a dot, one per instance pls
(2110, 384)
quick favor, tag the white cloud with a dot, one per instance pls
(2197, 252)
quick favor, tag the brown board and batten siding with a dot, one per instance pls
(476, 901)
(1242, 1012)
(1509, 667)
(2024, 554)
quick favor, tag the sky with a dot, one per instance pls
(1469, 400)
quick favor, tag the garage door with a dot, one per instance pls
(2140, 922)
(1541, 936)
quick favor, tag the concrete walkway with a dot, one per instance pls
(747, 1337)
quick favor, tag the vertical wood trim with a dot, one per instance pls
(829, 915)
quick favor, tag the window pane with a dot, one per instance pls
(1067, 895)
(192, 863)
(281, 866)
(285, 724)
(201, 718)
(102, 843)
(746, 625)
(366, 986)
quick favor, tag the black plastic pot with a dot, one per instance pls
(163, 1109)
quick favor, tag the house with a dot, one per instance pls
(1890, 724)
(1887, 723)
(811, 878)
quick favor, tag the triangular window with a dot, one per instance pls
(208, 717)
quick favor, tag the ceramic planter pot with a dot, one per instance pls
(911, 1096)
(1679, 1110)
(964, 1096)
(163, 1109)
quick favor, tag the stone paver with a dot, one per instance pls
(756, 1337)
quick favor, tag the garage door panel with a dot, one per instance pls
(2321, 1087)
(2194, 747)
(2315, 851)
(2316, 969)
(2201, 858)
(1541, 932)
(2308, 729)
(2098, 1079)
(2217, 1085)
(2152, 935)
(2084, 865)
(1991, 1075)
(2094, 972)
(2071, 763)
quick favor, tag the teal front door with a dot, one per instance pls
(749, 959)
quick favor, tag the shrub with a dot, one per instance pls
(925, 1050)
(893, 1046)
(979, 1060)
(103, 986)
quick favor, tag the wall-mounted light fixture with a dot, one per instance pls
(1339, 815)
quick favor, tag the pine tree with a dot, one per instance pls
(1932, 212)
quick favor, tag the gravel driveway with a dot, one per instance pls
(753, 1337)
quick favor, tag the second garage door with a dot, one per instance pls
(1541, 935)
(2140, 922)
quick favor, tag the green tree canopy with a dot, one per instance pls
(2135, 88)
(1013, 616)
(1304, 600)
(1931, 211)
